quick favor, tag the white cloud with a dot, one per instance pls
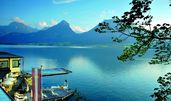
(43, 24)
(18, 19)
(53, 22)
(78, 29)
(63, 1)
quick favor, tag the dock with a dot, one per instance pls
(55, 71)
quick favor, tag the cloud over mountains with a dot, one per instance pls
(78, 29)
(18, 19)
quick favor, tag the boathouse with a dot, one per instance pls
(9, 65)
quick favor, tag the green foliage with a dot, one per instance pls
(164, 91)
(136, 23)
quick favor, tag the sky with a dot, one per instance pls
(82, 15)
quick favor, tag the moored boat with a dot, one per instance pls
(56, 94)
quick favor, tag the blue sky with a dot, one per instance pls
(81, 14)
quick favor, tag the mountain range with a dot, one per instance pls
(16, 27)
(60, 34)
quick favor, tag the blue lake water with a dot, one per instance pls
(96, 72)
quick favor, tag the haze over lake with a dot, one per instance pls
(96, 72)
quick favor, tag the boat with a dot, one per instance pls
(56, 94)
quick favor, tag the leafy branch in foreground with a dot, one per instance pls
(164, 91)
(136, 23)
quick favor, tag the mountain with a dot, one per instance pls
(55, 34)
(103, 38)
(63, 27)
(60, 34)
(16, 27)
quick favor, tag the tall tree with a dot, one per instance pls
(136, 23)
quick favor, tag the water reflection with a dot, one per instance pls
(80, 63)
(85, 70)
(97, 74)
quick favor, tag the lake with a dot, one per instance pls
(96, 72)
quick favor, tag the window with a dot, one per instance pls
(4, 64)
(15, 63)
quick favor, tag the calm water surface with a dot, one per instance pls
(97, 74)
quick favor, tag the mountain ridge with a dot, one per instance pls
(60, 33)
(16, 27)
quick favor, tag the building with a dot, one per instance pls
(9, 65)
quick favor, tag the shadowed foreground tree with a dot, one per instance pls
(137, 23)
(163, 93)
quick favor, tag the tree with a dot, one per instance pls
(164, 91)
(136, 23)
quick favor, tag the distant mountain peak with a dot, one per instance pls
(17, 27)
(16, 24)
(63, 23)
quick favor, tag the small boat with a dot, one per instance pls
(56, 93)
